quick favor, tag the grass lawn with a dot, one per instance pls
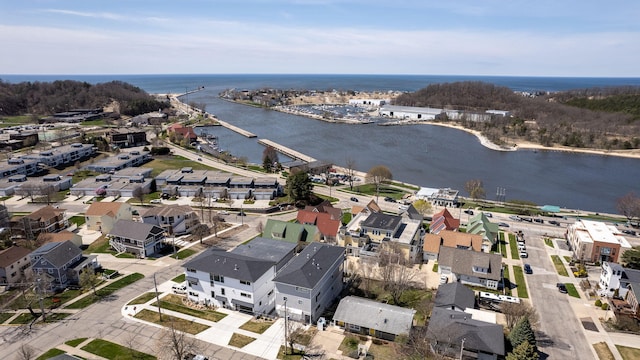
(22, 302)
(507, 281)
(50, 353)
(382, 350)
(349, 344)
(183, 254)
(435, 267)
(100, 245)
(603, 351)
(567, 259)
(109, 350)
(557, 262)
(179, 279)
(78, 220)
(384, 191)
(174, 302)
(162, 163)
(513, 246)
(521, 283)
(572, 291)
(548, 242)
(295, 356)
(75, 342)
(240, 341)
(5, 316)
(105, 291)
(628, 353)
(257, 326)
(142, 298)
(503, 244)
(23, 318)
(179, 323)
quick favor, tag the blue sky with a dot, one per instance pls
(445, 37)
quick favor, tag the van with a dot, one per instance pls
(180, 288)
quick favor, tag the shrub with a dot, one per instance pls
(605, 306)
(598, 303)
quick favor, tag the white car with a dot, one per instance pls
(223, 212)
(443, 279)
(155, 201)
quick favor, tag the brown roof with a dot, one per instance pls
(168, 210)
(45, 213)
(61, 236)
(103, 208)
(432, 242)
(11, 255)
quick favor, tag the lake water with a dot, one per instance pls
(424, 155)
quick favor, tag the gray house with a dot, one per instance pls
(369, 317)
(137, 238)
(471, 267)
(310, 282)
(454, 296)
(61, 263)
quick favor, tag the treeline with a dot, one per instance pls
(594, 118)
(45, 98)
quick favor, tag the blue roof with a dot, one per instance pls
(550, 208)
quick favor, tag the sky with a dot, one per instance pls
(582, 38)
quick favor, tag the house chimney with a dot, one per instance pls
(235, 267)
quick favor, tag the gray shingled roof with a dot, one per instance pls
(228, 264)
(450, 326)
(382, 221)
(57, 253)
(134, 230)
(462, 261)
(454, 294)
(374, 315)
(310, 265)
(265, 249)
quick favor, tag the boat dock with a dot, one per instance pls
(286, 151)
(236, 129)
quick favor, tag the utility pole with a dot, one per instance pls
(286, 328)
(462, 348)
(44, 317)
(155, 285)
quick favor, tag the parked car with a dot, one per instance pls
(553, 222)
(389, 199)
(521, 247)
(527, 269)
(629, 232)
(155, 201)
(241, 213)
(523, 254)
(354, 199)
(195, 357)
(562, 288)
(199, 159)
(489, 215)
(468, 211)
(515, 218)
(165, 196)
(539, 221)
(527, 219)
(223, 212)
(503, 224)
(180, 288)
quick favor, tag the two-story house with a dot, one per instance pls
(480, 225)
(328, 226)
(443, 220)
(310, 282)
(101, 216)
(137, 238)
(471, 267)
(175, 219)
(300, 234)
(13, 262)
(47, 219)
(241, 279)
(61, 263)
(447, 238)
(615, 278)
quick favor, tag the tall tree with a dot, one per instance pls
(515, 312)
(89, 280)
(175, 344)
(522, 332)
(269, 158)
(629, 205)
(299, 186)
(377, 175)
(631, 258)
(351, 171)
(422, 206)
(524, 351)
(475, 189)
(25, 352)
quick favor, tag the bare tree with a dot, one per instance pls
(25, 352)
(89, 280)
(175, 344)
(377, 175)
(201, 231)
(629, 205)
(351, 170)
(514, 312)
(397, 275)
(475, 189)
(138, 194)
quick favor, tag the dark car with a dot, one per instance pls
(539, 221)
(503, 224)
(354, 199)
(241, 213)
(468, 211)
(629, 232)
(553, 222)
(389, 199)
(562, 288)
(527, 269)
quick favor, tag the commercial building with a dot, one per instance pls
(595, 241)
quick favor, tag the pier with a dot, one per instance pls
(286, 151)
(236, 129)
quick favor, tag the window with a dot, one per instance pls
(284, 298)
(245, 295)
(222, 291)
(192, 281)
(245, 282)
(50, 271)
(191, 270)
(299, 302)
(218, 278)
(270, 293)
(213, 294)
(354, 327)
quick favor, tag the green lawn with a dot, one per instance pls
(548, 242)
(518, 273)
(105, 291)
(142, 298)
(23, 318)
(604, 353)
(5, 316)
(384, 191)
(560, 268)
(78, 220)
(178, 323)
(257, 326)
(75, 342)
(507, 281)
(174, 303)
(628, 353)
(183, 254)
(179, 279)
(113, 351)
(513, 246)
(503, 244)
(572, 291)
(50, 353)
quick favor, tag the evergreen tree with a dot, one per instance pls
(299, 186)
(524, 351)
(521, 333)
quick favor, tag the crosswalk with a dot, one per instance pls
(177, 242)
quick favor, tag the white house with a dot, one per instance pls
(614, 277)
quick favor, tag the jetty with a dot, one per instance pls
(286, 151)
(236, 129)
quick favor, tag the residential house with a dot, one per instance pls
(632, 298)
(47, 219)
(369, 317)
(447, 238)
(125, 137)
(122, 160)
(241, 279)
(174, 219)
(595, 241)
(471, 267)
(457, 334)
(326, 207)
(62, 236)
(299, 234)
(454, 296)
(479, 224)
(44, 186)
(61, 263)
(614, 279)
(327, 225)
(101, 216)
(63, 155)
(137, 238)
(310, 282)
(18, 166)
(13, 262)
(443, 220)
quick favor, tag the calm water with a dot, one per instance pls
(420, 154)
